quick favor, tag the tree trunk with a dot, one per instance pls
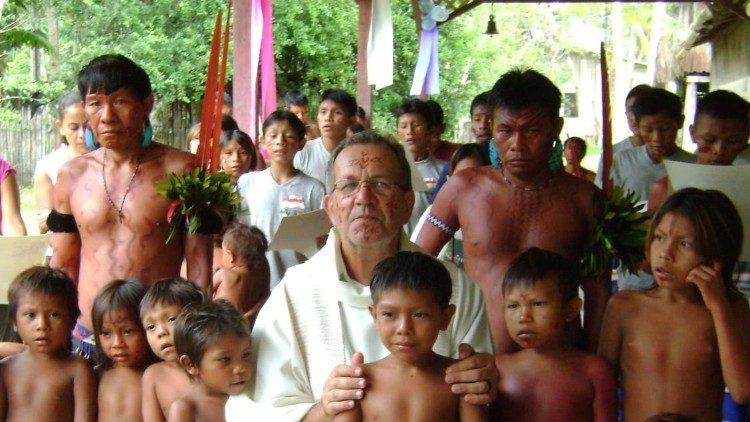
(53, 38)
(657, 22)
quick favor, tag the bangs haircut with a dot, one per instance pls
(438, 115)
(344, 99)
(535, 264)
(286, 116)
(106, 74)
(521, 89)
(723, 104)
(482, 99)
(412, 271)
(468, 151)
(576, 140)
(657, 101)
(419, 107)
(716, 223)
(171, 291)
(243, 140)
(371, 137)
(248, 242)
(44, 280)
(202, 325)
(118, 295)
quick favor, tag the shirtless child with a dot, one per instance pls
(548, 380)
(166, 381)
(411, 293)
(678, 344)
(243, 279)
(46, 382)
(214, 347)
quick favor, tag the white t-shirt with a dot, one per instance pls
(313, 160)
(623, 145)
(51, 163)
(430, 169)
(268, 202)
(743, 157)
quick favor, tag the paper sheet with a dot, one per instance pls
(733, 181)
(298, 232)
(417, 181)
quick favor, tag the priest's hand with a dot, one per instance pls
(474, 376)
(345, 385)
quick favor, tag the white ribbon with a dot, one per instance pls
(380, 45)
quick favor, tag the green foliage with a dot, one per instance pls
(197, 198)
(620, 233)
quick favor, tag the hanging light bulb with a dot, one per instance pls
(491, 27)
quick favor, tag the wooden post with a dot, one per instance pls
(364, 91)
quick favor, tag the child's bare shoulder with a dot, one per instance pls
(182, 409)
(594, 366)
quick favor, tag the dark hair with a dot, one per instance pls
(721, 104)
(248, 242)
(519, 89)
(356, 128)
(171, 291)
(576, 140)
(657, 101)
(111, 72)
(227, 98)
(361, 112)
(343, 99)
(44, 280)
(412, 271)
(243, 139)
(535, 264)
(118, 295)
(295, 97)
(70, 98)
(415, 106)
(716, 223)
(228, 123)
(468, 151)
(202, 325)
(438, 115)
(371, 137)
(285, 115)
(637, 91)
(482, 99)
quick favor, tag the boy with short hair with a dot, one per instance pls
(296, 102)
(336, 113)
(411, 293)
(213, 343)
(164, 382)
(46, 382)
(549, 379)
(243, 279)
(658, 115)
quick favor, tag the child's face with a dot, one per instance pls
(659, 133)
(235, 160)
(719, 140)
(673, 251)
(226, 365)
(301, 111)
(536, 315)
(414, 134)
(122, 339)
(468, 163)
(281, 142)
(158, 323)
(43, 322)
(333, 120)
(573, 153)
(409, 322)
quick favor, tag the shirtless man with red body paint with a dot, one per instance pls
(504, 211)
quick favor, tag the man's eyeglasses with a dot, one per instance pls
(377, 185)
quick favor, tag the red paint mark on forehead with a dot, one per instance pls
(365, 159)
(525, 295)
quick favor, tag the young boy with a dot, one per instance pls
(164, 382)
(410, 294)
(658, 116)
(214, 347)
(280, 190)
(243, 279)
(336, 112)
(46, 382)
(296, 102)
(549, 379)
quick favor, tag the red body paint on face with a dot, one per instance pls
(365, 160)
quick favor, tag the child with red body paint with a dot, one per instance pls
(122, 349)
(549, 379)
(678, 344)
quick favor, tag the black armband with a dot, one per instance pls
(61, 223)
